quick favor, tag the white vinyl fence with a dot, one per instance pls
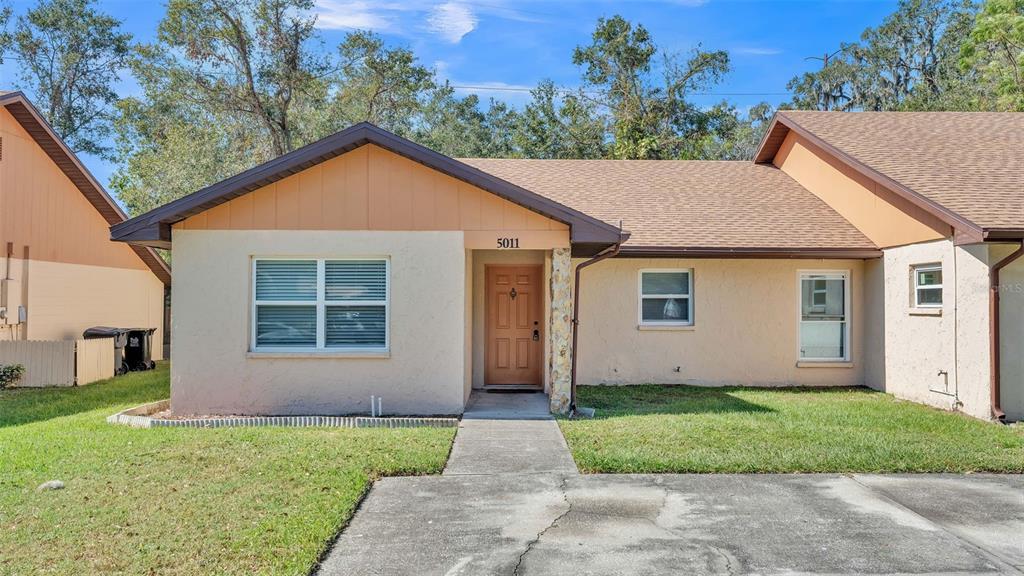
(60, 362)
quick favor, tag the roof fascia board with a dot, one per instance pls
(960, 224)
(584, 228)
(148, 256)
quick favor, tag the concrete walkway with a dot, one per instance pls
(509, 433)
(511, 502)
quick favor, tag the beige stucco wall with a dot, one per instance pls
(885, 218)
(745, 329)
(1011, 354)
(213, 371)
(481, 259)
(919, 344)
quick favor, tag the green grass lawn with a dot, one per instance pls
(180, 501)
(690, 429)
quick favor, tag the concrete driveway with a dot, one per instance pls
(686, 524)
(511, 503)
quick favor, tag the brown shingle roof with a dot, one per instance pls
(969, 163)
(687, 204)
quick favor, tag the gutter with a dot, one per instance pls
(993, 329)
(609, 253)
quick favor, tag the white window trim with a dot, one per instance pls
(917, 287)
(322, 304)
(829, 274)
(640, 298)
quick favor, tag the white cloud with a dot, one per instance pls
(353, 14)
(757, 51)
(451, 21)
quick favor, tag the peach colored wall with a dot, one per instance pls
(65, 299)
(76, 276)
(745, 331)
(886, 219)
(371, 188)
(41, 208)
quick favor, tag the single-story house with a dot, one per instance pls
(59, 271)
(874, 249)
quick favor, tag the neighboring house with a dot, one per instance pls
(59, 270)
(855, 250)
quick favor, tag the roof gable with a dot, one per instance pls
(965, 168)
(26, 115)
(336, 195)
(154, 227)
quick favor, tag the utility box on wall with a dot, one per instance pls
(10, 302)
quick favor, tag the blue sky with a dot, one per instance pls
(500, 48)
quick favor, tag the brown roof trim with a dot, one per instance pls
(1004, 233)
(153, 227)
(965, 230)
(748, 252)
(33, 122)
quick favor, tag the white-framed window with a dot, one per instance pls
(666, 297)
(320, 304)
(927, 285)
(824, 315)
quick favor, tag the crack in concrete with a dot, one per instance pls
(554, 522)
(728, 560)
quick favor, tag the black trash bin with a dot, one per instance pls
(120, 336)
(138, 352)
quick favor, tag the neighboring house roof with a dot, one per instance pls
(153, 227)
(692, 207)
(967, 168)
(32, 121)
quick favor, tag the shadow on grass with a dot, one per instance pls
(20, 406)
(617, 401)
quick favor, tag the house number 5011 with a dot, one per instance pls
(508, 242)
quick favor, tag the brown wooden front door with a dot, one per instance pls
(514, 332)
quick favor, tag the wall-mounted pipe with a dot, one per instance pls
(993, 330)
(610, 252)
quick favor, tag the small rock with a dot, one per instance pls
(51, 485)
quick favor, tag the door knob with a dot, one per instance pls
(536, 335)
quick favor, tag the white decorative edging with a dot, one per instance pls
(138, 417)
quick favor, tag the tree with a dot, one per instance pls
(647, 119)
(70, 55)
(907, 63)
(228, 84)
(994, 49)
(243, 58)
(558, 124)
(385, 86)
(738, 135)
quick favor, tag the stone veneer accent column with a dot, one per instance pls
(560, 363)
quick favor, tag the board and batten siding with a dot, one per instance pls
(42, 209)
(370, 188)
